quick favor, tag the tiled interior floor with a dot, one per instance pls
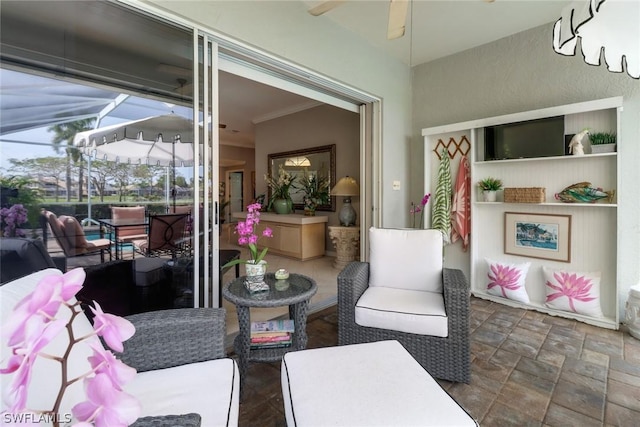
(528, 369)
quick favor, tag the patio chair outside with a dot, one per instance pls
(71, 238)
(129, 234)
(166, 236)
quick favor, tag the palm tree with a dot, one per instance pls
(66, 132)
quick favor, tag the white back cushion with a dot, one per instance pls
(406, 259)
(46, 374)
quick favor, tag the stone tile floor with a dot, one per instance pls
(528, 369)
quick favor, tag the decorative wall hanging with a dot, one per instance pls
(542, 236)
(452, 147)
(602, 25)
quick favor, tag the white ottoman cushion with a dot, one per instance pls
(415, 312)
(210, 389)
(373, 384)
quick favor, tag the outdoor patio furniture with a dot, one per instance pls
(166, 236)
(403, 293)
(71, 238)
(179, 356)
(20, 257)
(371, 384)
(128, 234)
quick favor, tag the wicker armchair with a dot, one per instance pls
(173, 338)
(446, 357)
(194, 335)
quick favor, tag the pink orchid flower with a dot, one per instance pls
(106, 406)
(37, 336)
(113, 329)
(104, 362)
(44, 302)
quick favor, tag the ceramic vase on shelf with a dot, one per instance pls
(282, 206)
(254, 281)
(489, 196)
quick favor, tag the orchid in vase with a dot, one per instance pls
(246, 231)
(415, 209)
(35, 334)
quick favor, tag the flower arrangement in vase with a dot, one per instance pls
(419, 209)
(315, 189)
(280, 199)
(256, 266)
(489, 186)
(37, 321)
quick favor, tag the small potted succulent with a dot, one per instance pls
(602, 142)
(489, 186)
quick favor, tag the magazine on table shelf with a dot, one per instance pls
(273, 326)
(271, 334)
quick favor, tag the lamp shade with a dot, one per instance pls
(346, 186)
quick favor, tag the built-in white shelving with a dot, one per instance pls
(594, 231)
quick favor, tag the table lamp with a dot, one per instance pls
(346, 187)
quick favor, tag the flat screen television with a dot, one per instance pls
(531, 138)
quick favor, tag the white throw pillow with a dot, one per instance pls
(507, 280)
(572, 291)
(406, 259)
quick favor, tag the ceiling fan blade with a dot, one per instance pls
(325, 7)
(397, 18)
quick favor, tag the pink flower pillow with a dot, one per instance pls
(572, 291)
(507, 280)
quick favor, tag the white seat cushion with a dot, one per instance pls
(406, 259)
(373, 384)
(211, 389)
(415, 312)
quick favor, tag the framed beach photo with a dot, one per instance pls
(544, 236)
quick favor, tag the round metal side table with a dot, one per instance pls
(295, 292)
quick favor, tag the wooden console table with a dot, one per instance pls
(346, 241)
(296, 236)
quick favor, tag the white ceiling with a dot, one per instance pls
(436, 29)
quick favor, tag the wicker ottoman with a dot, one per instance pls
(372, 384)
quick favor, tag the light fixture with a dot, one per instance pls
(346, 187)
(297, 161)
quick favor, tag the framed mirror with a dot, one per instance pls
(315, 161)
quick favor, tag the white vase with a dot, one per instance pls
(254, 281)
(489, 196)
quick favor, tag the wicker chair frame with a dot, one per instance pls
(169, 338)
(445, 358)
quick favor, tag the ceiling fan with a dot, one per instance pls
(397, 14)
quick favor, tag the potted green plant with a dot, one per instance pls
(315, 189)
(602, 142)
(489, 186)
